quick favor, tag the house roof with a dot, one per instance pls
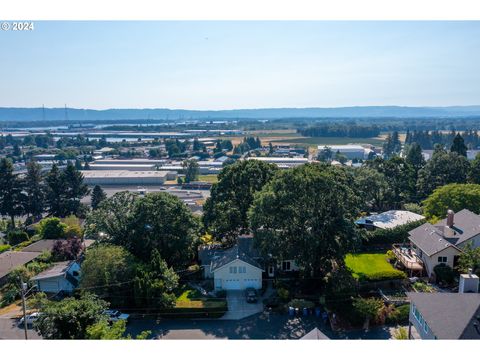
(390, 219)
(431, 238)
(449, 315)
(9, 260)
(47, 245)
(315, 334)
(58, 269)
(243, 250)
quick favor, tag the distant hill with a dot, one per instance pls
(35, 114)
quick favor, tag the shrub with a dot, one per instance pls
(368, 308)
(398, 234)
(283, 294)
(22, 245)
(67, 249)
(73, 231)
(301, 303)
(400, 334)
(399, 315)
(52, 228)
(444, 274)
(16, 237)
(422, 287)
(383, 275)
(4, 248)
(390, 256)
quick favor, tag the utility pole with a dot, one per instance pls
(23, 290)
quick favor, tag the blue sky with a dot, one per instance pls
(227, 65)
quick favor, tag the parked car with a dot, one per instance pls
(115, 315)
(251, 295)
(30, 319)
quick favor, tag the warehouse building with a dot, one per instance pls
(350, 151)
(125, 177)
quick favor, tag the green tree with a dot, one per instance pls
(75, 189)
(368, 308)
(155, 284)
(98, 195)
(306, 214)
(372, 187)
(414, 157)
(108, 271)
(35, 190)
(458, 146)
(111, 221)
(469, 259)
(103, 330)
(191, 170)
(225, 211)
(70, 318)
(442, 169)
(474, 171)
(56, 188)
(12, 198)
(51, 228)
(453, 196)
(163, 222)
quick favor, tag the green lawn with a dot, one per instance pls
(192, 298)
(331, 141)
(372, 267)
(212, 178)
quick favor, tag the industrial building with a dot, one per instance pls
(282, 162)
(125, 177)
(350, 151)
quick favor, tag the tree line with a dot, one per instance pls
(340, 130)
(427, 139)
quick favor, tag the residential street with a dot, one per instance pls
(9, 330)
(260, 326)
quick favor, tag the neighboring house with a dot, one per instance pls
(10, 260)
(47, 245)
(212, 257)
(443, 242)
(62, 277)
(315, 334)
(388, 219)
(444, 315)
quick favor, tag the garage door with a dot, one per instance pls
(231, 284)
(252, 283)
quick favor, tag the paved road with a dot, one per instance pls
(10, 330)
(260, 326)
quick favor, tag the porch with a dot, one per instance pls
(408, 259)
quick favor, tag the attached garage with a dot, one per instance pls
(237, 273)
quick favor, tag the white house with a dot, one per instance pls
(63, 276)
(235, 270)
(443, 242)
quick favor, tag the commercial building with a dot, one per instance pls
(124, 177)
(350, 151)
(282, 162)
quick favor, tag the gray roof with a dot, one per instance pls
(315, 334)
(58, 269)
(243, 250)
(430, 238)
(390, 219)
(9, 260)
(40, 246)
(449, 315)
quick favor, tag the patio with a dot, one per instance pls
(408, 258)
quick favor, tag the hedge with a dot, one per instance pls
(4, 248)
(398, 234)
(382, 275)
(213, 311)
(399, 315)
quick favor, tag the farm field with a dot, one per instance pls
(212, 178)
(330, 141)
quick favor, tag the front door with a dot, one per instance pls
(271, 271)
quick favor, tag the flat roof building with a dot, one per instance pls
(124, 177)
(351, 151)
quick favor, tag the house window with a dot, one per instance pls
(242, 269)
(425, 327)
(442, 259)
(233, 269)
(286, 265)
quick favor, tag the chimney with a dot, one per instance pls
(450, 218)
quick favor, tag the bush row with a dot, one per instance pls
(382, 275)
(390, 236)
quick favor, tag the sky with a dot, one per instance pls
(238, 65)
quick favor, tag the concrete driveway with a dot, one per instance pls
(239, 308)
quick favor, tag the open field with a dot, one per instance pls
(371, 267)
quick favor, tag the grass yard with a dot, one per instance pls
(212, 178)
(372, 267)
(192, 298)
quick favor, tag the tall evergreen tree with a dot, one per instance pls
(98, 195)
(12, 198)
(75, 189)
(35, 190)
(458, 145)
(55, 192)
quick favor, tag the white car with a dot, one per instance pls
(30, 319)
(115, 315)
